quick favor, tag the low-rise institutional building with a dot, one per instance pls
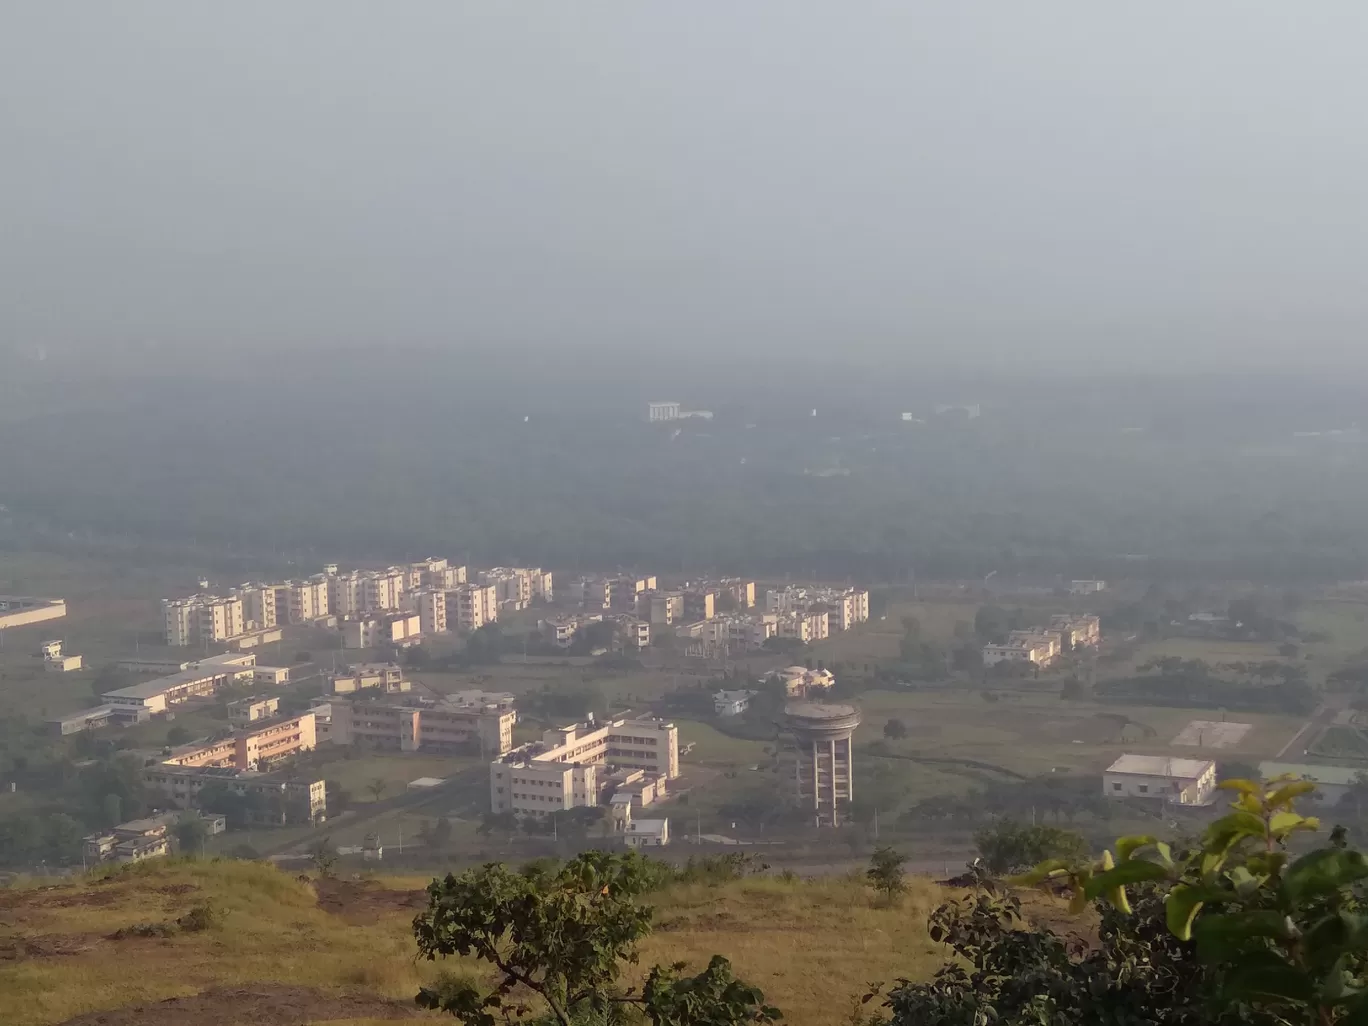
(1176, 781)
(568, 766)
(731, 703)
(199, 679)
(55, 660)
(25, 610)
(252, 748)
(448, 727)
(280, 799)
(1333, 783)
(140, 839)
(388, 677)
(647, 833)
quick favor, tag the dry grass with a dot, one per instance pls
(810, 945)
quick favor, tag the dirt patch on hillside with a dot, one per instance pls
(265, 1005)
(47, 945)
(360, 902)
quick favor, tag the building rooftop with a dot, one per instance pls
(1340, 775)
(1161, 766)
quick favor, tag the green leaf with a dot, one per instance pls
(1134, 871)
(1241, 785)
(1323, 871)
(1229, 829)
(1220, 938)
(1127, 846)
(1285, 822)
(1287, 792)
(1181, 906)
(1165, 852)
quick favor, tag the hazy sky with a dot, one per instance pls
(954, 181)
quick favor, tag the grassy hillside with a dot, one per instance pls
(283, 950)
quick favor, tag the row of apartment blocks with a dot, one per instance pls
(1040, 647)
(391, 606)
(640, 594)
(802, 614)
(584, 764)
(140, 839)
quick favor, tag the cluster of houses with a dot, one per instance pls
(1042, 646)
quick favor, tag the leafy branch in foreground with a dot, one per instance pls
(564, 937)
(1285, 937)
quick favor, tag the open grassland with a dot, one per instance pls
(810, 945)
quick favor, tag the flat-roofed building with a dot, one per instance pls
(56, 660)
(374, 631)
(87, 719)
(444, 727)
(476, 605)
(258, 605)
(286, 800)
(389, 677)
(647, 833)
(384, 589)
(432, 611)
(255, 747)
(247, 711)
(26, 610)
(1176, 781)
(1333, 783)
(564, 769)
(661, 411)
(1077, 632)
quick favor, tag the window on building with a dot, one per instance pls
(1144, 788)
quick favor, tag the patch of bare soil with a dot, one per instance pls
(262, 1005)
(47, 945)
(361, 902)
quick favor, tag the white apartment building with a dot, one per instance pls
(1177, 781)
(347, 593)
(476, 605)
(200, 619)
(805, 627)
(307, 600)
(659, 411)
(512, 587)
(660, 607)
(384, 589)
(731, 703)
(568, 766)
(389, 629)
(258, 605)
(847, 606)
(432, 611)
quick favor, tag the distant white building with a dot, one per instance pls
(55, 660)
(647, 833)
(1087, 587)
(1332, 782)
(661, 411)
(1177, 781)
(731, 703)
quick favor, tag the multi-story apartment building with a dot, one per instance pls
(1076, 632)
(436, 573)
(201, 619)
(848, 606)
(445, 727)
(659, 411)
(741, 591)
(259, 605)
(734, 630)
(347, 593)
(566, 768)
(699, 604)
(389, 629)
(306, 601)
(283, 800)
(660, 607)
(432, 611)
(632, 632)
(512, 587)
(476, 605)
(252, 748)
(384, 589)
(618, 592)
(1033, 650)
(804, 627)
